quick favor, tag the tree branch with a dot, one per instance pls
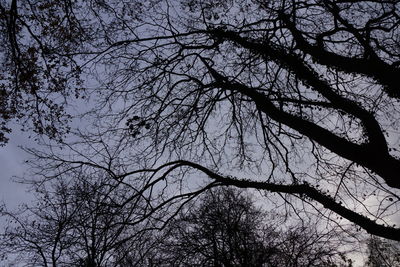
(328, 202)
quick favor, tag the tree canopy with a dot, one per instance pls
(383, 252)
(77, 223)
(298, 99)
(226, 228)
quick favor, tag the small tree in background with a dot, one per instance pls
(383, 253)
(226, 229)
(223, 230)
(79, 224)
(76, 222)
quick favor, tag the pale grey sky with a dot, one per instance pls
(11, 164)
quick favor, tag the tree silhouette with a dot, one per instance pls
(382, 252)
(37, 80)
(298, 98)
(76, 222)
(81, 224)
(226, 229)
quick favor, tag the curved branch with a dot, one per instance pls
(328, 202)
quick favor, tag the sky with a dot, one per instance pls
(11, 165)
(12, 159)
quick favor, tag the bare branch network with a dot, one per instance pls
(299, 98)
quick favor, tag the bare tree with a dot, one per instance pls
(226, 229)
(298, 98)
(76, 222)
(81, 224)
(223, 230)
(383, 252)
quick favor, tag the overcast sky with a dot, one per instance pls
(11, 164)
